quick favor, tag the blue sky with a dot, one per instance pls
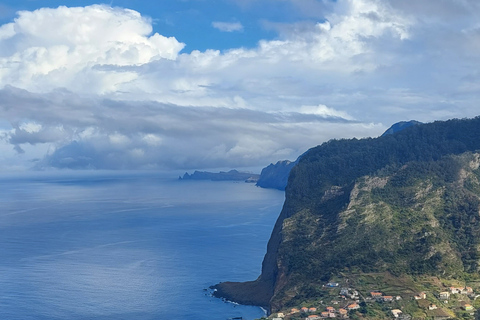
(194, 84)
(190, 21)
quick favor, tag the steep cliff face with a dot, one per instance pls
(275, 176)
(419, 219)
(403, 203)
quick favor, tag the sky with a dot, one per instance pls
(197, 84)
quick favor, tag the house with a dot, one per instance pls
(325, 314)
(396, 312)
(432, 307)
(280, 315)
(467, 307)
(294, 310)
(376, 294)
(304, 309)
(313, 317)
(312, 310)
(387, 298)
(454, 290)
(353, 306)
(330, 309)
(342, 312)
(421, 295)
(332, 284)
(444, 295)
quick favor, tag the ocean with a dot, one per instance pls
(128, 245)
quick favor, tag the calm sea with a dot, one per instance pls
(128, 246)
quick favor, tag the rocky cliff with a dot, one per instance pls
(275, 176)
(403, 203)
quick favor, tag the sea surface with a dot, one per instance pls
(128, 246)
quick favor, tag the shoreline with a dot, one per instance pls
(250, 293)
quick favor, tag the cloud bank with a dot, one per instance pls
(108, 134)
(94, 87)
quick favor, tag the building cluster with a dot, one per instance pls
(379, 297)
(329, 312)
(445, 295)
(351, 298)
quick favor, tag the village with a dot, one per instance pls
(344, 301)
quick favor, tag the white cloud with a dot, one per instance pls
(30, 127)
(124, 135)
(227, 26)
(68, 47)
(324, 111)
(127, 98)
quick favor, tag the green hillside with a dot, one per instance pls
(406, 204)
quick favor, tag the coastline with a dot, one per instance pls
(250, 293)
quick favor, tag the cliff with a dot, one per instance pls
(275, 176)
(406, 203)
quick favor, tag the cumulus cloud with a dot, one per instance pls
(68, 47)
(227, 26)
(92, 87)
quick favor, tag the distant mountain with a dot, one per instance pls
(406, 203)
(275, 176)
(232, 175)
(399, 126)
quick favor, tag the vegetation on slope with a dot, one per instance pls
(399, 203)
(404, 203)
